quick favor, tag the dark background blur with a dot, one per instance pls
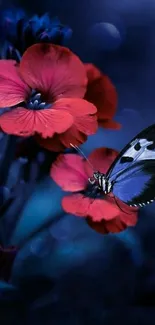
(131, 65)
(102, 280)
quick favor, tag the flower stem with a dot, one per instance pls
(45, 226)
(7, 159)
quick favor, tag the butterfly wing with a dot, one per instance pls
(136, 186)
(133, 171)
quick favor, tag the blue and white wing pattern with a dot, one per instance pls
(133, 172)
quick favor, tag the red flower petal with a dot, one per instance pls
(24, 122)
(83, 206)
(128, 215)
(103, 209)
(73, 136)
(101, 92)
(112, 217)
(51, 144)
(82, 111)
(92, 72)
(85, 123)
(101, 159)
(105, 227)
(115, 226)
(13, 89)
(76, 204)
(109, 124)
(55, 144)
(53, 70)
(68, 172)
(77, 107)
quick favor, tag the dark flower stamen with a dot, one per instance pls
(36, 102)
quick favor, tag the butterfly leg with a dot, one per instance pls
(91, 181)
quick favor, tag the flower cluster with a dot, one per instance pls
(49, 96)
(45, 95)
(50, 99)
(103, 213)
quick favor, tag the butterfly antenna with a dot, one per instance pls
(119, 206)
(82, 153)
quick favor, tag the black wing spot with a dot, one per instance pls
(137, 147)
(126, 160)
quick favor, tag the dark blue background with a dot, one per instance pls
(92, 278)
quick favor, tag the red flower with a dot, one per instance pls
(45, 93)
(102, 93)
(71, 173)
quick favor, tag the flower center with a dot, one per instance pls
(35, 102)
(93, 191)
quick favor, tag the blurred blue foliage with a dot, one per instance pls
(64, 272)
(18, 32)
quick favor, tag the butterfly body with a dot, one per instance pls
(131, 177)
(102, 182)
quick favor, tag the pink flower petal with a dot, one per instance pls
(83, 206)
(85, 121)
(87, 125)
(13, 90)
(76, 204)
(53, 70)
(68, 172)
(50, 121)
(101, 212)
(103, 209)
(24, 122)
(77, 107)
(123, 217)
(101, 159)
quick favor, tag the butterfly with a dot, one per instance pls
(131, 177)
